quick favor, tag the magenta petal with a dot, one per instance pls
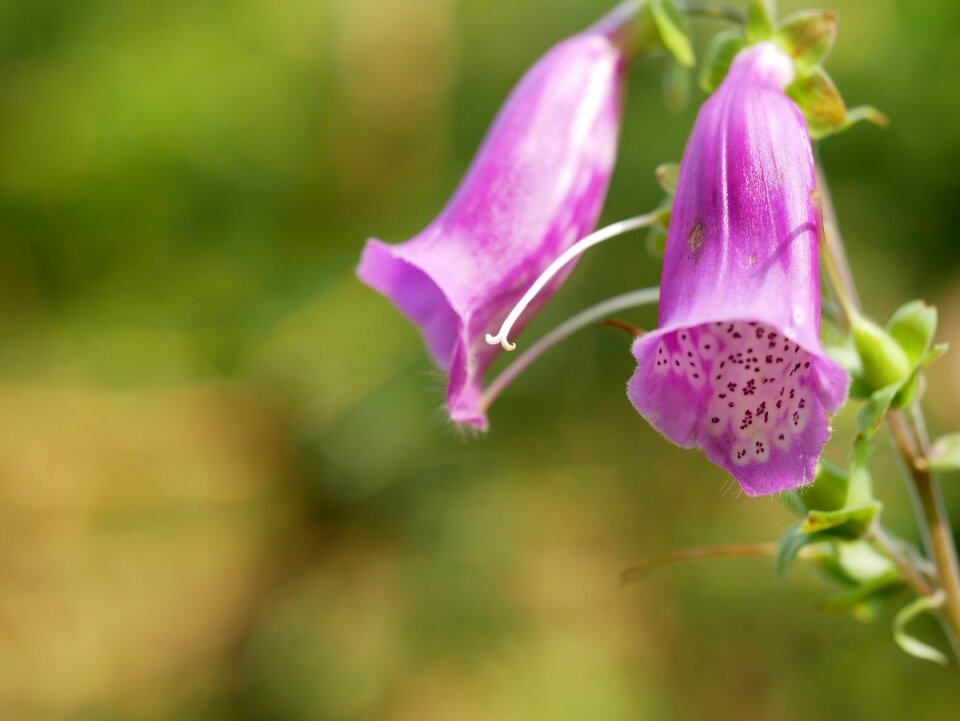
(536, 186)
(736, 367)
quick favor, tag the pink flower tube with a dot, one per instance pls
(536, 186)
(735, 366)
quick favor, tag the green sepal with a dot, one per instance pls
(657, 241)
(808, 37)
(719, 55)
(908, 388)
(668, 175)
(820, 101)
(865, 113)
(788, 546)
(944, 454)
(677, 80)
(851, 563)
(910, 644)
(871, 415)
(844, 352)
(913, 326)
(828, 492)
(671, 28)
(864, 600)
(884, 362)
(843, 523)
(759, 26)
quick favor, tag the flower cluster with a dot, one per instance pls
(735, 366)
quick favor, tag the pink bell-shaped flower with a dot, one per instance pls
(536, 186)
(736, 367)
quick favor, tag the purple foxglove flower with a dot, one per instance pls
(535, 187)
(735, 366)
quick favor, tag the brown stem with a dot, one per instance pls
(889, 546)
(698, 553)
(909, 436)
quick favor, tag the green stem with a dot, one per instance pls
(909, 437)
(714, 11)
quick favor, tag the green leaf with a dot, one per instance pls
(820, 101)
(759, 25)
(860, 485)
(871, 415)
(676, 87)
(808, 37)
(719, 55)
(845, 353)
(862, 563)
(913, 326)
(657, 241)
(944, 454)
(876, 589)
(828, 492)
(844, 523)
(667, 176)
(866, 113)
(884, 361)
(913, 646)
(788, 547)
(909, 386)
(671, 26)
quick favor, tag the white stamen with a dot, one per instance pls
(611, 231)
(634, 299)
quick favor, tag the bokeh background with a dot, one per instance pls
(227, 489)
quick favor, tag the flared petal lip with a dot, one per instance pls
(453, 357)
(377, 254)
(815, 349)
(833, 381)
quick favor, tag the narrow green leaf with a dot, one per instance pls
(828, 492)
(759, 25)
(676, 87)
(657, 241)
(862, 563)
(672, 28)
(845, 353)
(909, 386)
(873, 411)
(788, 547)
(719, 55)
(667, 176)
(884, 361)
(945, 453)
(845, 523)
(860, 485)
(866, 113)
(913, 646)
(808, 37)
(876, 589)
(913, 326)
(820, 101)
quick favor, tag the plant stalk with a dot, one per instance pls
(908, 431)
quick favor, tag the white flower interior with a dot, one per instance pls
(755, 383)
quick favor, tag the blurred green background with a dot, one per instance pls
(227, 489)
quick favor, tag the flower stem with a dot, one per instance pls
(909, 436)
(698, 553)
(714, 11)
(908, 431)
(644, 296)
(611, 231)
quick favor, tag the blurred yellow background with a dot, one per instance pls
(227, 489)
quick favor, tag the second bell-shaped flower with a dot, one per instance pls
(736, 366)
(536, 186)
